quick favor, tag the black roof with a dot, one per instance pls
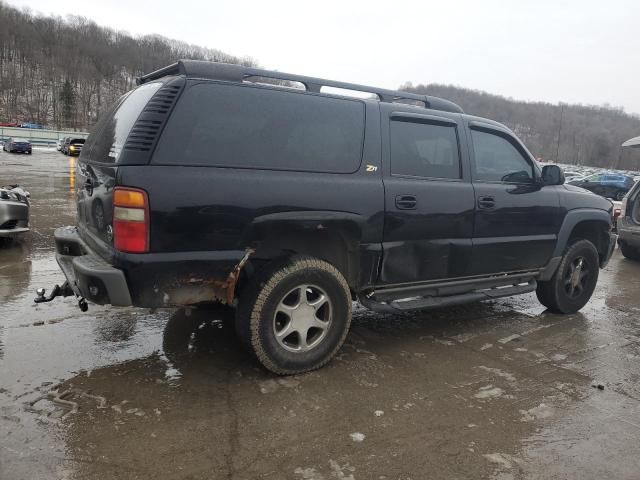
(239, 73)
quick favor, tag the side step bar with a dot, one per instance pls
(427, 302)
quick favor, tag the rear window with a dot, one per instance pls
(108, 137)
(253, 127)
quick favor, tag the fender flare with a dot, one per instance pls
(571, 219)
(316, 227)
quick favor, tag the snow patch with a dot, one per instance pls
(498, 372)
(486, 346)
(268, 386)
(489, 391)
(378, 413)
(503, 459)
(308, 473)
(339, 471)
(536, 413)
(357, 436)
(509, 338)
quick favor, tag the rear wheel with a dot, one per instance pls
(572, 285)
(630, 252)
(295, 314)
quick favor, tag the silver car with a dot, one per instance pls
(14, 211)
(629, 224)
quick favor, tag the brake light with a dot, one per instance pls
(130, 220)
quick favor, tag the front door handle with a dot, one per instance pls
(486, 202)
(406, 202)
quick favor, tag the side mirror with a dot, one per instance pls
(552, 175)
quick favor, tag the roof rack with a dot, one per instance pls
(239, 73)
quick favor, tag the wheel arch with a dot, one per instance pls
(330, 236)
(589, 224)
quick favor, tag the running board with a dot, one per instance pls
(424, 303)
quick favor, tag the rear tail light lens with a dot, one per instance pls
(130, 220)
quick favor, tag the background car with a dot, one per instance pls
(74, 147)
(570, 176)
(14, 211)
(59, 143)
(15, 145)
(629, 224)
(65, 145)
(608, 184)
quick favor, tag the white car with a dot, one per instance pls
(59, 144)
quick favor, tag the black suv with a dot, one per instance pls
(208, 183)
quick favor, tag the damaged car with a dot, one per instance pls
(14, 211)
(205, 185)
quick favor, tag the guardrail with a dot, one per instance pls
(39, 137)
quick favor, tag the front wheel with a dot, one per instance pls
(295, 314)
(572, 285)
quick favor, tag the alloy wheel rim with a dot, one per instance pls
(576, 277)
(302, 318)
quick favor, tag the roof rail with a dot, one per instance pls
(239, 73)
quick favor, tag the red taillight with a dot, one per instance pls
(130, 220)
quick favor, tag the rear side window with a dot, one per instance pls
(106, 142)
(424, 150)
(249, 127)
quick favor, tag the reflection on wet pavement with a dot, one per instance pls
(500, 390)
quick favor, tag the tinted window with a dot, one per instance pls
(249, 127)
(498, 160)
(108, 137)
(424, 150)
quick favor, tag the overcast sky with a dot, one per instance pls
(553, 50)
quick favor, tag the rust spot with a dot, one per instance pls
(197, 290)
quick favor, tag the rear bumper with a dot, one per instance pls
(14, 218)
(88, 275)
(151, 280)
(628, 234)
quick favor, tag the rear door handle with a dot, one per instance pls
(406, 202)
(486, 202)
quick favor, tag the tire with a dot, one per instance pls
(286, 296)
(629, 252)
(567, 292)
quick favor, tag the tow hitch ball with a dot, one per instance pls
(59, 291)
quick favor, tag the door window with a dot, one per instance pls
(498, 160)
(424, 150)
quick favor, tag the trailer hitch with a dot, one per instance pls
(59, 291)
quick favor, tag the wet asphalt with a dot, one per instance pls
(497, 390)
